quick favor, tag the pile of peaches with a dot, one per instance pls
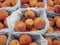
(32, 3)
(29, 22)
(54, 24)
(3, 22)
(23, 40)
(3, 39)
(54, 5)
(7, 3)
(52, 41)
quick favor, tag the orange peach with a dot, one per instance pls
(1, 26)
(33, 43)
(51, 21)
(33, 2)
(39, 23)
(1, 0)
(40, 5)
(56, 18)
(58, 23)
(49, 40)
(29, 23)
(3, 39)
(13, 2)
(57, 2)
(56, 42)
(34, 29)
(25, 6)
(5, 4)
(5, 23)
(25, 1)
(51, 8)
(50, 30)
(14, 42)
(30, 14)
(3, 14)
(50, 3)
(25, 39)
(20, 26)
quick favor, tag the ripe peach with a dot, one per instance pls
(3, 39)
(57, 2)
(51, 8)
(40, 5)
(56, 42)
(33, 43)
(25, 6)
(20, 26)
(14, 42)
(49, 40)
(58, 23)
(50, 30)
(57, 29)
(30, 14)
(51, 21)
(5, 4)
(33, 2)
(25, 39)
(5, 23)
(13, 2)
(34, 29)
(29, 23)
(1, 26)
(39, 23)
(25, 1)
(57, 9)
(50, 3)
(56, 18)
(1, 0)
(3, 14)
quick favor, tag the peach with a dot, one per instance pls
(5, 23)
(57, 29)
(3, 14)
(25, 6)
(29, 23)
(51, 21)
(57, 9)
(33, 43)
(30, 14)
(1, 26)
(13, 2)
(57, 2)
(34, 29)
(50, 3)
(5, 4)
(14, 42)
(56, 42)
(51, 8)
(39, 23)
(0, 5)
(1, 0)
(56, 18)
(58, 23)
(20, 26)
(40, 5)
(3, 39)
(50, 30)
(25, 39)
(49, 40)
(33, 3)
(25, 1)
